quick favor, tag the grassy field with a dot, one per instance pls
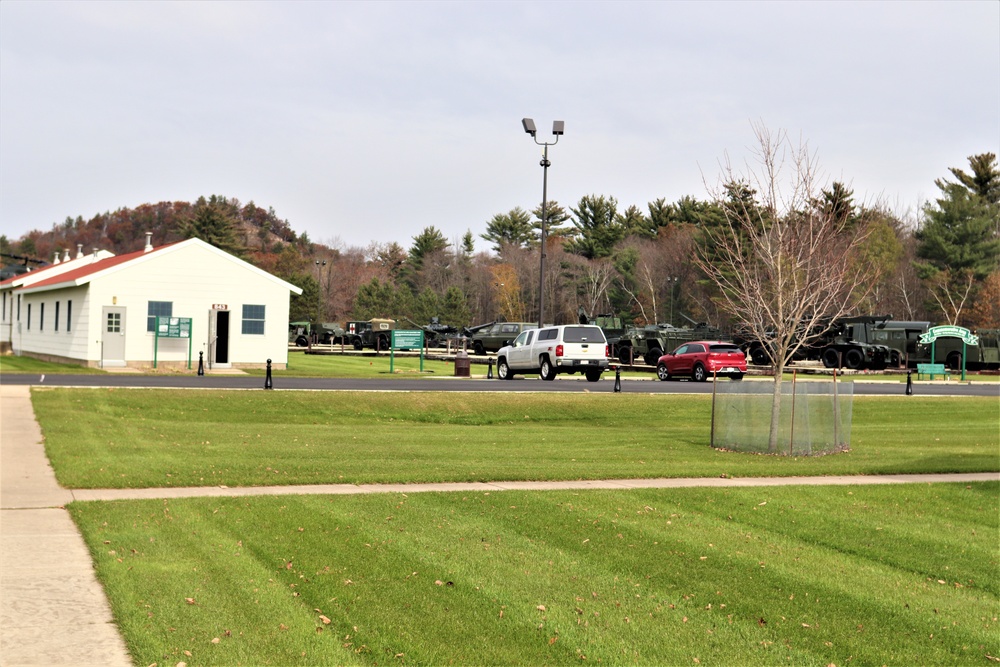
(868, 575)
(113, 438)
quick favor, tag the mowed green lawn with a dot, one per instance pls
(114, 438)
(863, 575)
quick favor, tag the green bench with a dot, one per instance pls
(931, 370)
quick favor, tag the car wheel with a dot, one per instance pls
(477, 347)
(547, 372)
(662, 372)
(699, 374)
(831, 358)
(301, 341)
(854, 359)
(503, 370)
(736, 376)
(593, 376)
(357, 344)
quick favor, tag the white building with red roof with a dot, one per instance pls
(158, 306)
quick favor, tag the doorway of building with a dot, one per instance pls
(218, 338)
(113, 336)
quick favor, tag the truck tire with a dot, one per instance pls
(301, 341)
(653, 356)
(546, 371)
(503, 370)
(593, 376)
(954, 361)
(895, 359)
(831, 358)
(759, 356)
(477, 347)
(854, 359)
(625, 354)
(356, 344)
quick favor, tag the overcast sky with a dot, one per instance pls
(370, 121)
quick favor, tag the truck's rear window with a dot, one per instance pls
(583, 335)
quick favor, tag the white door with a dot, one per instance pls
(113, 336)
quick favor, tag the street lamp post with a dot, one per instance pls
(319, 297)
(557, 131)
(672, 281)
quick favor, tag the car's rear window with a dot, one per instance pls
(583, 335)
(725, 349)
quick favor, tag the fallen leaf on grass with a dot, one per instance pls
(326, 621)
(190, 600)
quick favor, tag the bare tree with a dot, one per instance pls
(783, 267)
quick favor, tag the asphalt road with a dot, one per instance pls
(519, 384)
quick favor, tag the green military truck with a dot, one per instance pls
(302, 333)
(375, 334)
(491, 338)
(652, 341)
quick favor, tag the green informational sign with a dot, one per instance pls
(406, 339)
(171, 327)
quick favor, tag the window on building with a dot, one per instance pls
(41, 318)
(29, 317)
(253, 319)
(18, 307)
(158, 309)
(69, 316)
(57, 316)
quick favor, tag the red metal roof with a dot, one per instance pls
(91, 268)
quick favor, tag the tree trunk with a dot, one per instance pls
(772, 439)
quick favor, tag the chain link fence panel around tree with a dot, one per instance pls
(815, 417)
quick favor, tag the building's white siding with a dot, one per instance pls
(197, 281)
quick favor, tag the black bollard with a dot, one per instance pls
(201, 363)
(909, 383)
(618, 379)
(489, 369)
(268, 384)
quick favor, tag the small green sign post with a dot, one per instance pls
(172, 327)
(950, 331)
(406, 339)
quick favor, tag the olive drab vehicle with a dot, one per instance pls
(491, 337)
(375, 334)
(948, 351)
(302, 333)
(652, 341)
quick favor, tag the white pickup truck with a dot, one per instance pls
(568, 348)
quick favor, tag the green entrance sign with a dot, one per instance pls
(172, 327)
(406, 339)
(949, 331)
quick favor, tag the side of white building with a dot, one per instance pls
(103, 312)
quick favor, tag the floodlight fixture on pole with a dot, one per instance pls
(558, 128)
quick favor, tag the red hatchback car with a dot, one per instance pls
(700, 359)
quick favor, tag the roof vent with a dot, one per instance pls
(149, 242)
(65, 254)
(79, 251)
(55, 258)
(96, 250)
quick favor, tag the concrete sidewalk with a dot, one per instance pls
(53, 611)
